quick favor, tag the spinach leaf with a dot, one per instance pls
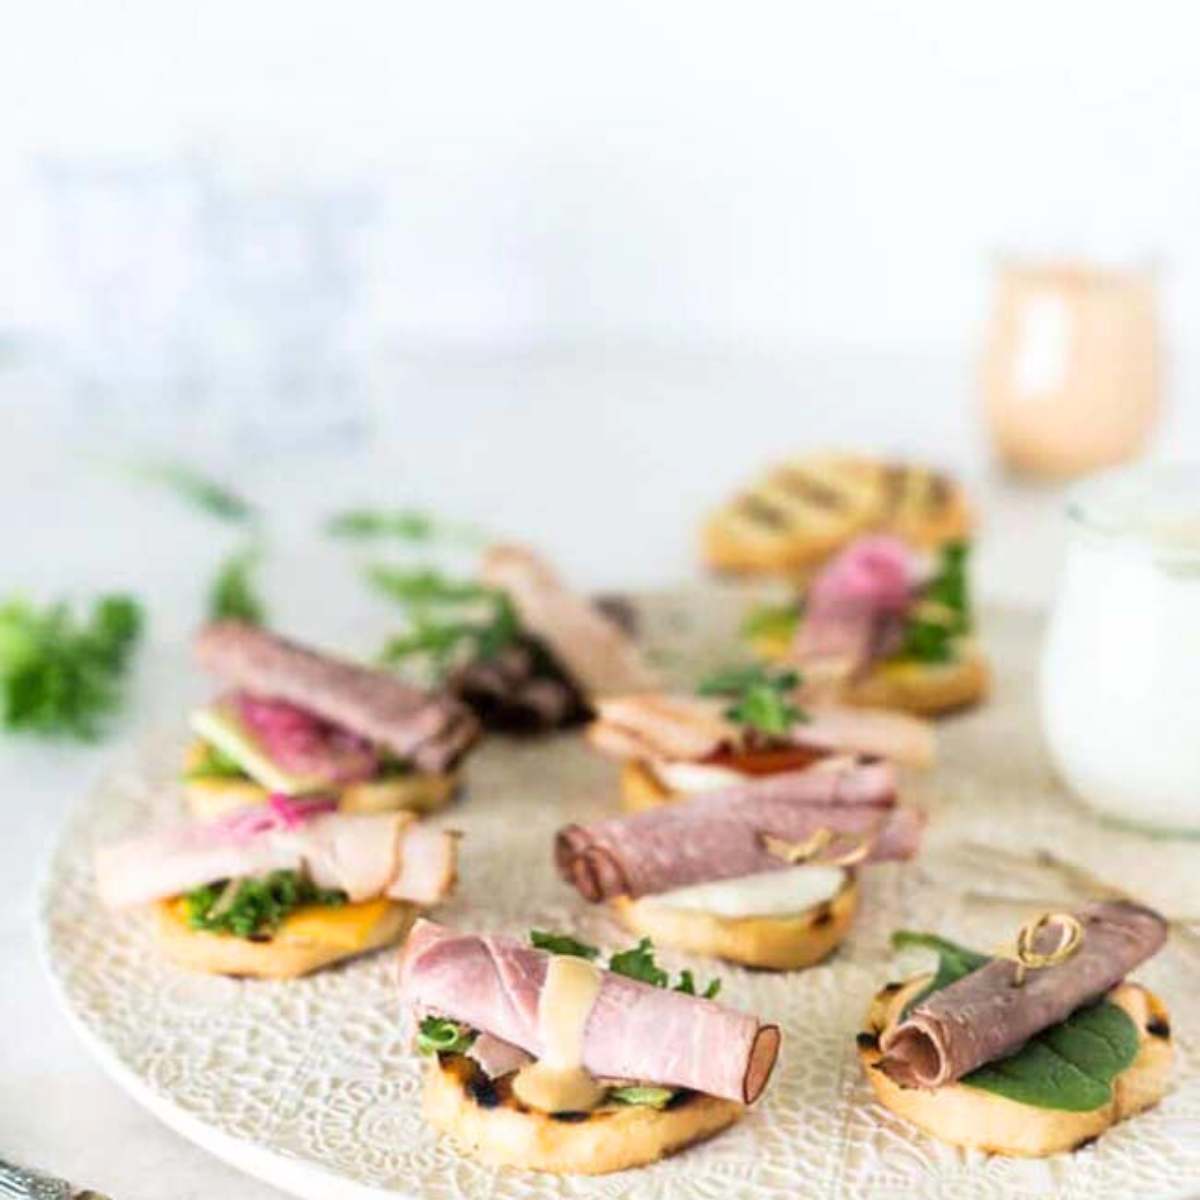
(1069, 1067)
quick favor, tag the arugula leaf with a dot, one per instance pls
(761, 697)
(232, 596)
(638, 963)
(949, 587)
(943, 613)
(257, 906)
(451, 621)
(561, 943)
(436, 1035)
(200, 491)
(1069, 1067)
(59, 677)
(687, 984)
(777, 622)
(406, 524)
(651, 1097)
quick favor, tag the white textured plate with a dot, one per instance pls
(308, 1085)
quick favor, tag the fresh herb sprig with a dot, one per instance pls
(200, 491)
(436, 1035)
(257, 906)
(761, 697)
(943, 613)
(232, 596)
(773, 622)
(403, 524)
(635, 963)
(60, 676)
(450, 621)
(212, 763)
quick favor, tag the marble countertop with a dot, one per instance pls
(525, 461)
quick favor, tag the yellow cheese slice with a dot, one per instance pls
(347, 927)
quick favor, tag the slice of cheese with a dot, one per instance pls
(345, 927)
(692, 778)
(768, 894)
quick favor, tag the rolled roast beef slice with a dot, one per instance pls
(723, 835)
(984, 1016)
(634, 1031)
(432, 730)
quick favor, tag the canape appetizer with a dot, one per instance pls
(515, 644)
(542, 1059)
(762, 874)
(675, 746)
(882, 627)
(295, 722)
(1030, 1053)
(799, 513)
(280, 889)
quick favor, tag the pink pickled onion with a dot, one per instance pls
(279, 812)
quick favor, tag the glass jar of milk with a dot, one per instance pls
(1120, 675)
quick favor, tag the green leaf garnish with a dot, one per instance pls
(436, 1035)
(1069, 1067)
(450, 621)
(949, 587)
(651, 1097)
(215, 764)
(257, 906)
(232, 596)
(638, 963)
(687, 984)
(200, 491)
(761, 697)
(60, 676)
(561, 943)
(943, 613)
(777, 622)
(405, 524)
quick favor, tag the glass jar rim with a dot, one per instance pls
(1151, 508)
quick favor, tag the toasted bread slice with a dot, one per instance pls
(779, 943)
(308, 939)
(491, 1125)
(979, 1120)
(209, 797)
(641, 788)
(799, 513)
(926, 689)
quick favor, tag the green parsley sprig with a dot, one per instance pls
(60, 676)
(403, 524)
(942, 615)
(761, 697)
(635, 963)
(256, 907)
(232, 596)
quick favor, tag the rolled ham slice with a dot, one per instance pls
(725, 835)
(364, 854)
(854, 608)
(596, 651)
(431, 730)
(635, 1031)
(984, 1017)
(675, 728)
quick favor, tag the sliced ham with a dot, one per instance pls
(363, 854)
(597, 653)
(682, 728)
(984, 1016)
(431, 730)
(634, 1031)
(496, 1057)
(854, 609)
(734, 832)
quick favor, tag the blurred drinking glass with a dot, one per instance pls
(1071, 366)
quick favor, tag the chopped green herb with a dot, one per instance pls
(687, 984)
(761, 697)
(59, 676)
(257, 906)
(450, 621)
(774, 621)
(949, 587)
(232, 596)
(439, 1036)
(561, 943)
(650, 1097)
(943, 613)
(406, 524)
(1070, 1066)
(638, 963)
(194, 487)
(215, 764)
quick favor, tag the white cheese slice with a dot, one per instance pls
(692, 777)
(768, 894)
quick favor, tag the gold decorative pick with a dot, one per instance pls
(1027, 958)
